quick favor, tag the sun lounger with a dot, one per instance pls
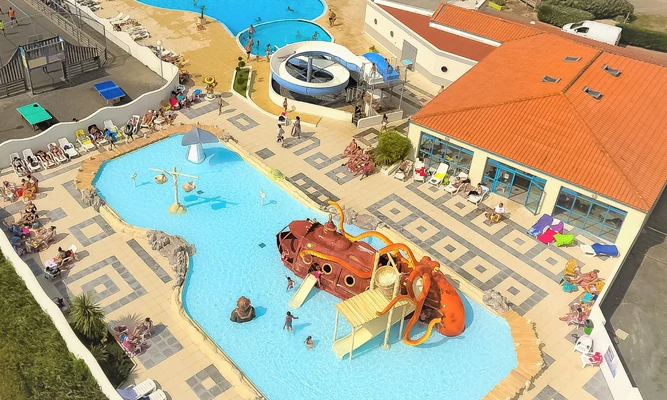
(68, 148)
(557, 225)
(439, 174)
(140, 35)
(403, 173)
(598, 249)
(419, 174)
(11, 162)
(84, 140)
(116, 18)
(548, 236)
(134, 392)
(28, 153)
(541, 224)
(157, 395)
(479, 198)
(121, 21)
(564, 240)
(48, 163)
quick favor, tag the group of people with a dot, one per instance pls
(282, 121)
(27, 234)
(360, 161)
(289, 319)
(251, 43)
(133, 342)
(27, 190)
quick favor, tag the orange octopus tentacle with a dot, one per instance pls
(429, 330)
(393, 303)
(394, 247)
(357, 238)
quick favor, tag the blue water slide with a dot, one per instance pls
(389, 74)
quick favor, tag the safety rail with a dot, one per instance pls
(12, 76)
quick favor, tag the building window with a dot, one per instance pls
(514, 184)
(375, 21)
(588, 214)
(391, 33)
(443, 69)
(434, 151)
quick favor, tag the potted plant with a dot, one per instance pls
(392, 148)
(202, 8)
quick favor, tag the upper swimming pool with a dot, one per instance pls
(238, 15)
(236, 256)
(282, 33)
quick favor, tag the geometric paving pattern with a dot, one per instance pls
(265, 153)
(148, 260)
(75, 193)
(42, 176)
(103, 287)
(208, 383)
(56, 214)
(340, 175)
(201, 109)
(100, 229)
(160, 347)
(310, 188)
(597, 387)
(471, 262)
(294, 142)
(549, 393)
(369, 137)
(242, 121)
(319, 160)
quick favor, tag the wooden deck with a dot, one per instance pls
(364, 307)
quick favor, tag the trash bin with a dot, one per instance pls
(588, 327)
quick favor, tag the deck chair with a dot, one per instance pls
(62, 158)
(112, 20)
(134, 392)
(564, 240)
(68, 147)
(476, 199)
(439, 174)
(28, 153)
(84, 140)
(49, 163)
(419, 173)
(541, 224)
(136, 123)
(403, 173)
(157, 395)
(71, 258)
(598, 249)
(11, 162)
(451, 189)
(594, 359)
(583, 345)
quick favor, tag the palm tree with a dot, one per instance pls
(99, 351)
(88, 317)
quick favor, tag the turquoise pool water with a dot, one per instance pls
(236, 256)
(238, 15)
(282, 33)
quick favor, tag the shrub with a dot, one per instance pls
(34, 358)
(561, 15)
(599, 8)
(88, 317)
(241, 64)
(392, 148)
(640, 37)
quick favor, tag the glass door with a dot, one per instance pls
(534, 195)
(504, 181)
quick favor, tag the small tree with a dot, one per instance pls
(202, 8)
(88, 317)
(392, 148)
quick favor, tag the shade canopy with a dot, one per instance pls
(197, 136)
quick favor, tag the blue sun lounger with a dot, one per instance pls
(109, 91)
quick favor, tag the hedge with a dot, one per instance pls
(36, 363)
(561, 15)
(599, 8)
(641, 37)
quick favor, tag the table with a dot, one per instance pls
(34, 114)
(109, 91)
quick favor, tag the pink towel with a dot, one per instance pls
(548, 236)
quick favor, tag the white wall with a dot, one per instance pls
(73, 343)
(429, 58)
(308, 108)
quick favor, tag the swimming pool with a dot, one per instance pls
(236, 256)
(237, 15)
(282, 33)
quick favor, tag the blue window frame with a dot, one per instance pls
(591, 215)
(516, 185)
(434, 151)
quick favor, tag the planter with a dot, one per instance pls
(390, 169)
(201, 20)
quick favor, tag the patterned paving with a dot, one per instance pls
(549, 393)
(243, 122)
(312, 189)
(162, 345)
(341, 175)
(208, 383)
(91, 230)
(294, 142)
(42, 176)
(598, 388)
(149, 261)
(320, 161)
(471, 262)
(75, 193)
(56, 214)
(121, 275)
(265, 153)
(201, 108)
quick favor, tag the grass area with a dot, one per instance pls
(36, 363)
(653, 22)
(241, 82)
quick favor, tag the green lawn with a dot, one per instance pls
(241, 82)
(651, 21)
(34, 359)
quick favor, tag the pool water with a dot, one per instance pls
(238, 15)
(282, 33)
(236, 256)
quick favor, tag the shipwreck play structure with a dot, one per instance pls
(378, 287)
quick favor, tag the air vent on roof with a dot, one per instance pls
(611, 71)
(550, 79)
(593, 93)
(571, 59)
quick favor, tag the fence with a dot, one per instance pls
(12, 76)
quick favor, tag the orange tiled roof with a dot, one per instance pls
(615, 146)
(444, 41)
(481, 24)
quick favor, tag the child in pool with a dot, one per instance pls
(290, 283)
(288, 322)
(309, 343)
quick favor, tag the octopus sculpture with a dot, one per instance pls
(426, 282)
(244, 311)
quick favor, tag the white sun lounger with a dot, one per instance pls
(134, 392)
(68, 147)
(46, 163)
(116, 18)
(419, 164)
(11, 162)
(157, 395)
(60, 159)
(28, 153)
(439, 175)
(479, 198)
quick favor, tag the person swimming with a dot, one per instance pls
(315, 35)
(259, 19)
(288, 322)
(298, 33)
(289, 9)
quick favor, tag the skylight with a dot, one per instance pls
(593, 93)
(550, 79)
(571, 59)
(611, 71)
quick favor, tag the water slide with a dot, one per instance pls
(368, 331)
(330, 64)
(302, 292)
